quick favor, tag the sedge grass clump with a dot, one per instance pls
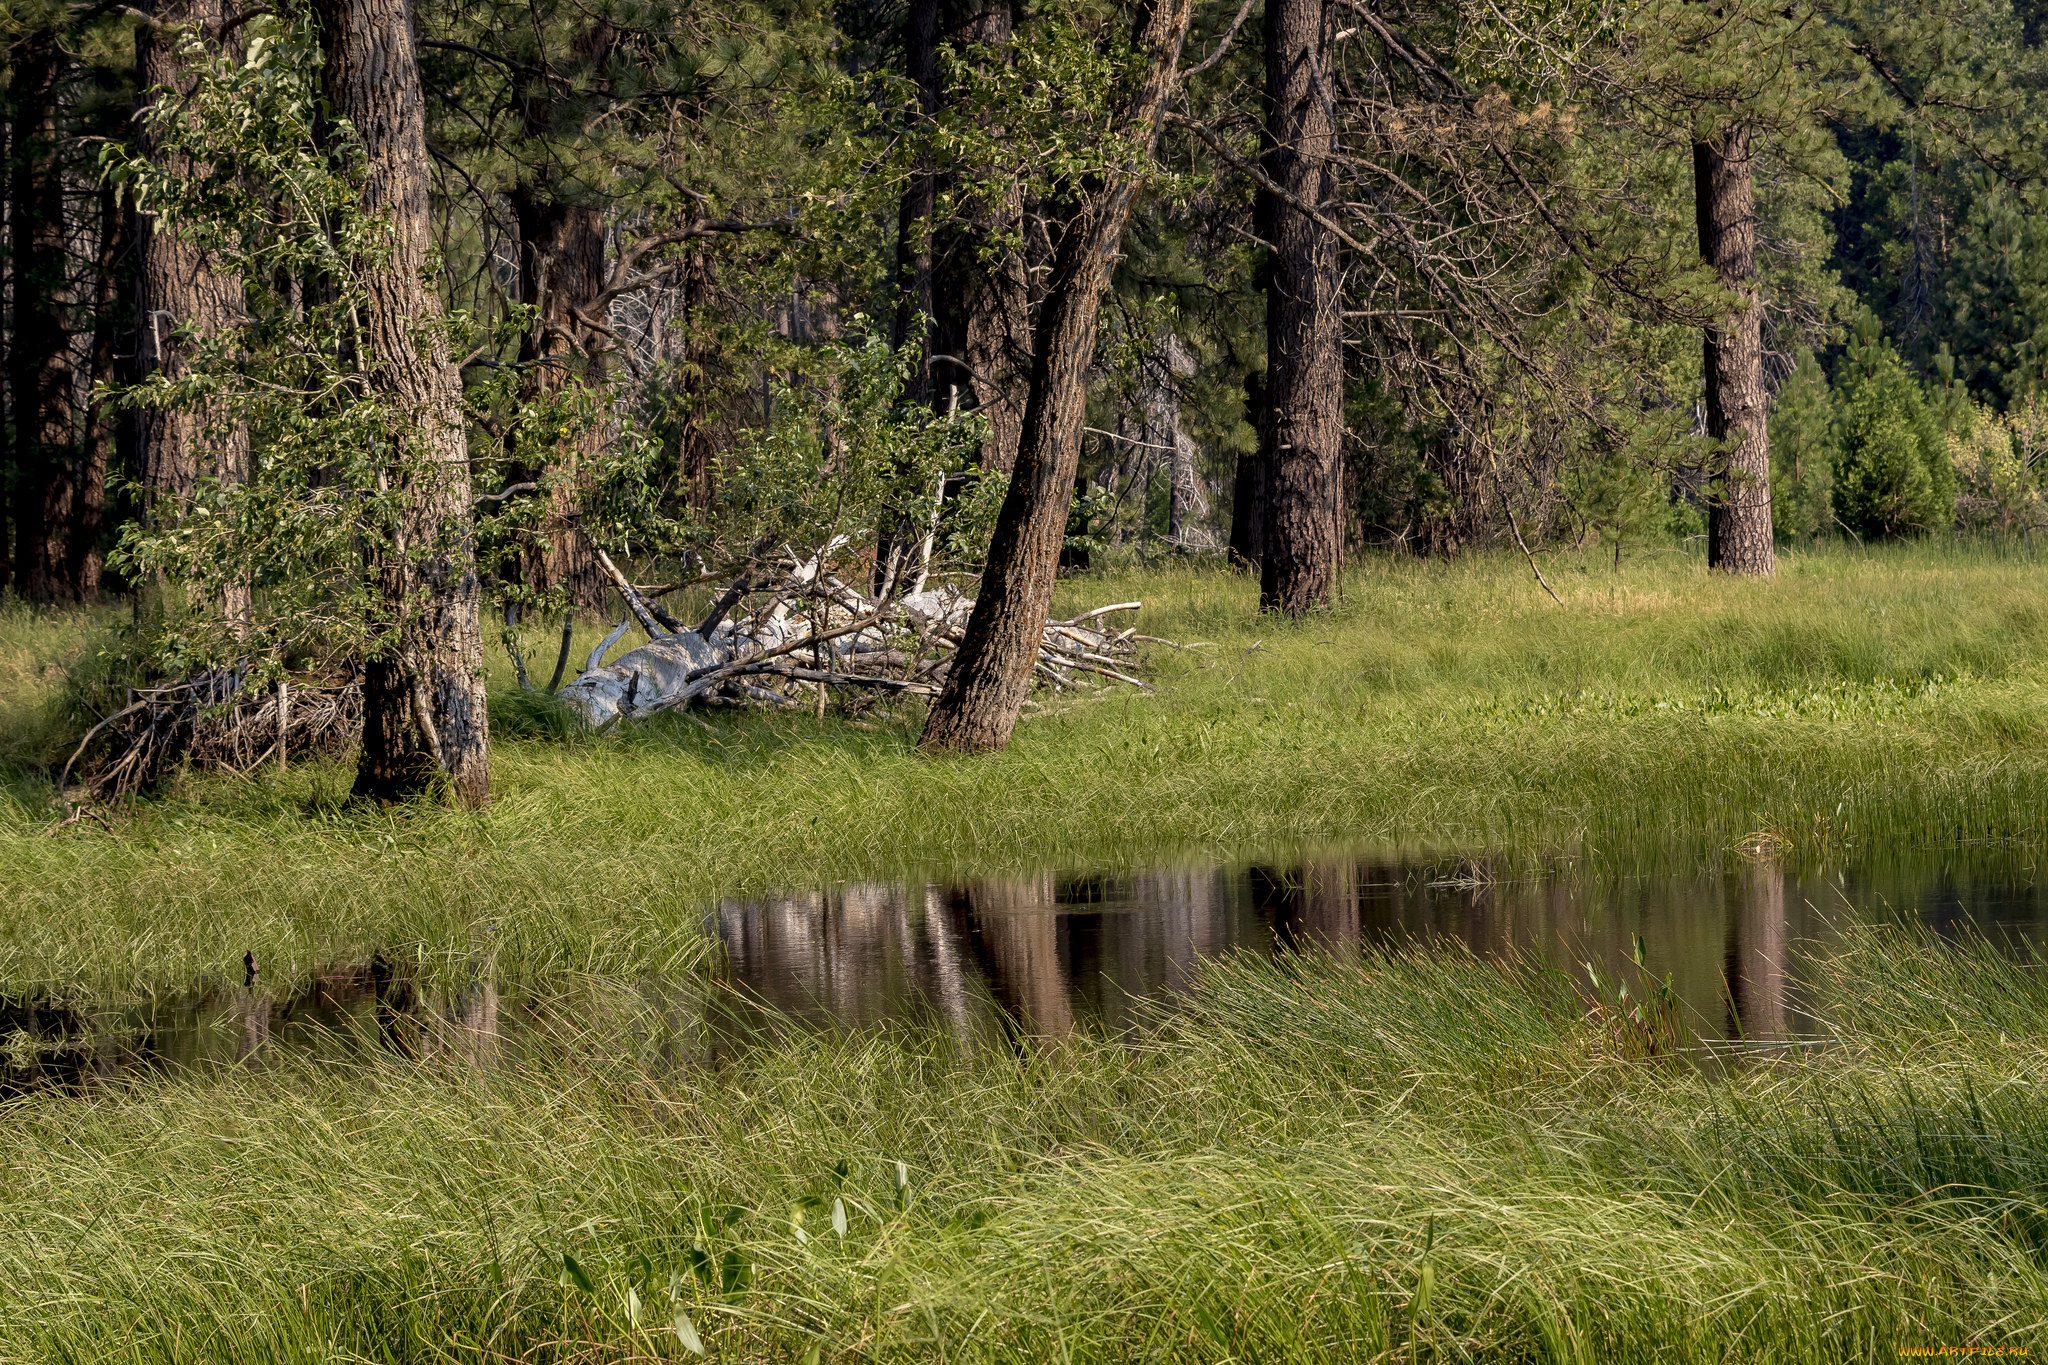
(1418, 1156)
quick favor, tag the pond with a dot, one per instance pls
(1033, 956)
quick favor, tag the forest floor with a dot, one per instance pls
(1411, 1157)
(1859, 704)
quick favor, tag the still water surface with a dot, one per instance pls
(1046, 954)
(1051, 953)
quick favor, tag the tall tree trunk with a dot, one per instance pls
(181, 286)
(40, 378)
(699, 377)
(9, 446)
(1739, 512)
(561, 273)
(913, 333)
(991, 672)
(88, 513)
(423, 698)
(1303, 434)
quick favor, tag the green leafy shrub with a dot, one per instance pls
(1997, 489)
(1892, 473)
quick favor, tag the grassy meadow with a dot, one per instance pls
(1860, 705)
(1398, 1158)
(1388, 1156)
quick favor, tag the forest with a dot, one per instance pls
(1000, 680)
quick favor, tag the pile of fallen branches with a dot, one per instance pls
(806, 636)
(216, 719)
(790, 639)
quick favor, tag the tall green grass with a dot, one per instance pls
(1400, 1158)
(1858, 706)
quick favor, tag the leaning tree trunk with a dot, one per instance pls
(1302, 436)
(423, 697)
(1739, 514)
(561, 274)
(180, 285)
(40, 378)
(991, 673)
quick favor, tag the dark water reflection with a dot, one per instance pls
(1046, 954)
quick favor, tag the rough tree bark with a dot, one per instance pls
(179, 285)
(699, 377)
(1302, 437)
(561, 275)
(423, 699)
(913, 332)
(991, 673)
(561, 272)
(1739, 513)
(39, 369)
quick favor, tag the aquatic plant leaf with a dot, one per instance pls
(686, 1333)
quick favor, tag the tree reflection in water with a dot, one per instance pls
(1027, 958)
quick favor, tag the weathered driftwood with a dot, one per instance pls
(813, 631)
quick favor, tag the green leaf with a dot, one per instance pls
(576, 1274)
(686, 1333)
(839, 1217)
(632, 1306)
